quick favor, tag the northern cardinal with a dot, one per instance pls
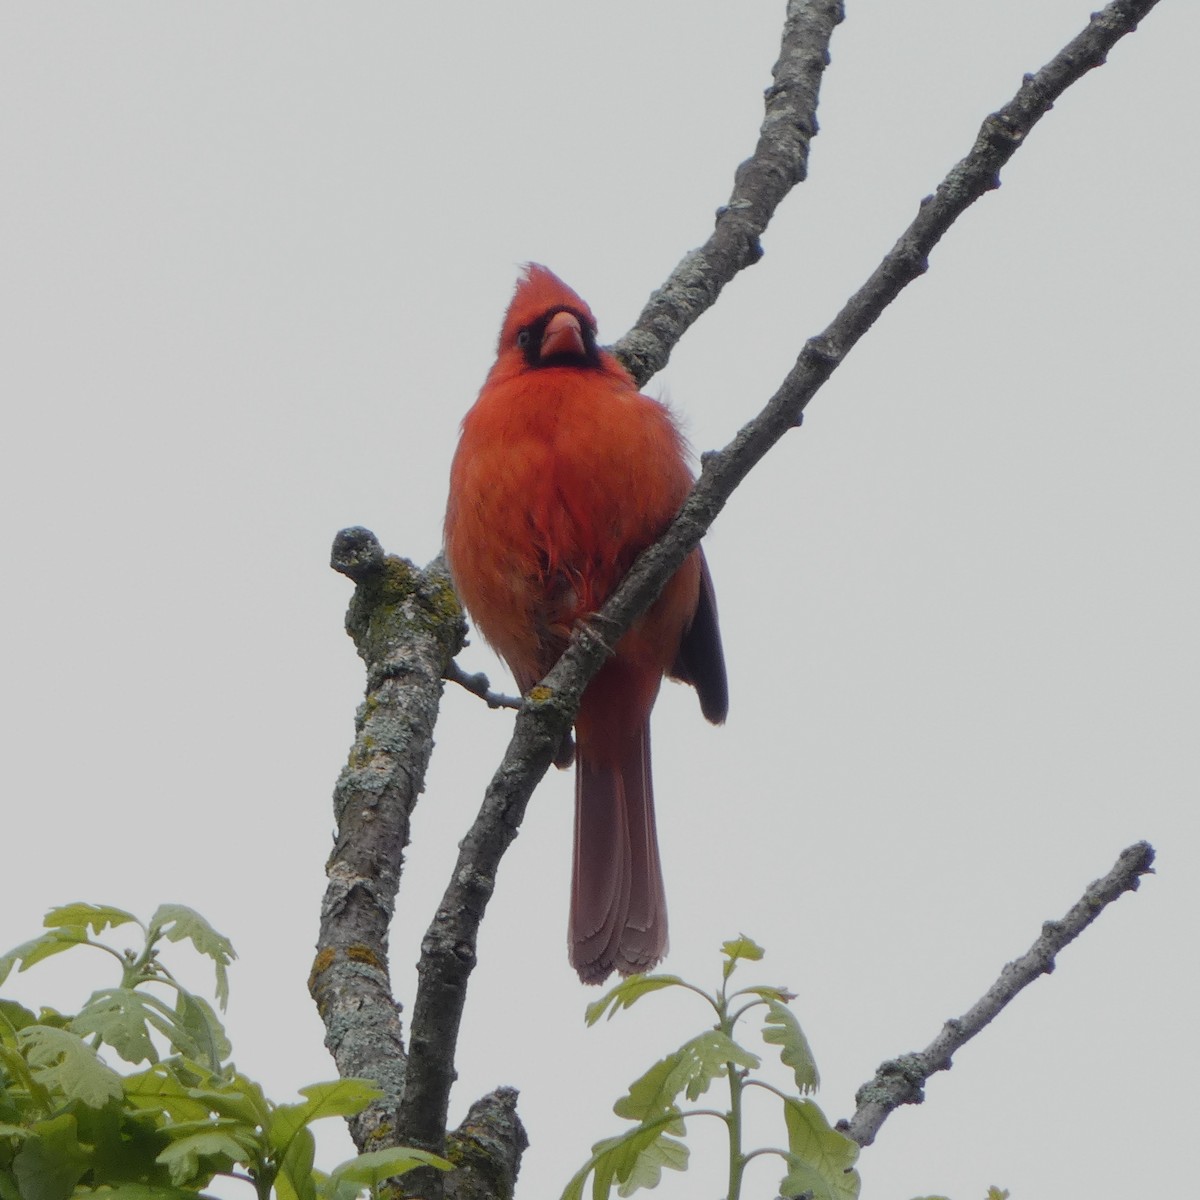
(564, 473)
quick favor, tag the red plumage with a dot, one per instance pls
(564, 473)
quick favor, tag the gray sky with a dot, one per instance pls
(254, 259)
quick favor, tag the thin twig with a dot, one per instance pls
(448, 950)
(478, 685)
(902, 1080)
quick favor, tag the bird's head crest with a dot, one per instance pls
(538, 292)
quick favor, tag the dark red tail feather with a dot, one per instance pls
(618, 915)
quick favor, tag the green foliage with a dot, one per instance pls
(819, 1161)
(72, 1126)
(993, 1193)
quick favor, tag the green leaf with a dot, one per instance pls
(244, 1134)
(234, 1096)
(626, 993)
(202, 1030)
(159, 1092)
(62, 1061)
(97, 917)
(28, 953)
(124, 1146)
(118, 1017)
(295, 1178)
(13, 1016)
(328, 1189)
(141, 1191)
(632, 1159)
(690, 1069)
(780, 1028)
(16, 1066)
(53, 1018)
(820, 1159)
(995, 1193)
(377, 1166)
(767, 993)
(742, 947)
(182, 1157)
(339, 1098)
(177, 923)
(648, 1166)
(50, 1161)
(166, 1020)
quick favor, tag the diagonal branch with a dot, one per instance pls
(902, 1080)
(1000, 136)
(779, 162)
(448, 950)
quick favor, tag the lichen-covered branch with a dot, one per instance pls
(406, 625)
(779, 162)
(902, 1080)
(486, 1149)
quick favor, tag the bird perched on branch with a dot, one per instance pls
(564, 473)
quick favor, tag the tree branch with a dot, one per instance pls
(779, 162)
(902, 1080)
(479, 685)
(406, 625)
(486, 1149)
(448, 950)
(1000, 136)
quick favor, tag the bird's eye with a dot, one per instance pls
(523, 338)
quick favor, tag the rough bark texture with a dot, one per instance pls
(779, 162)
(1000, 136)
(406, 625)
(902, 1080)
(486, 1149)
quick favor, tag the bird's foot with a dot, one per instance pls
(595, 627)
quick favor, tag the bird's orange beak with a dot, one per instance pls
(563, 336)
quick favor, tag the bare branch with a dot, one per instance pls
(478, 685)
(448, 951)
(779, 162)
(1001, 134)
(902, 1080)
(406, 625)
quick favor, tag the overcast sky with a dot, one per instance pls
(254, 260)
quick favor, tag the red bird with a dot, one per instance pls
(564, 473)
